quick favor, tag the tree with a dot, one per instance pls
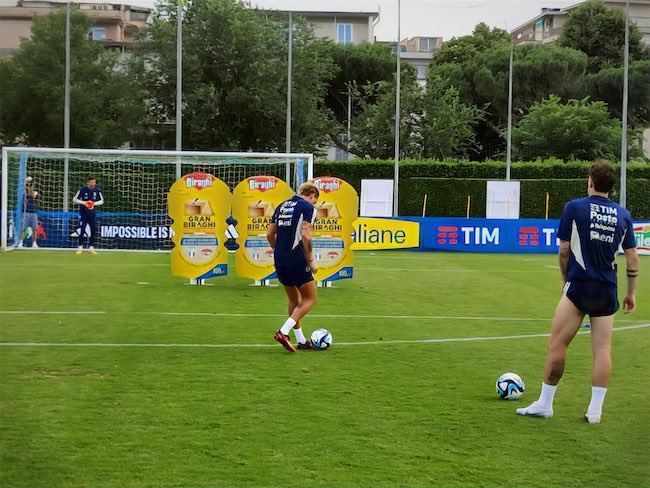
(434, 123)
(464, 48)
(579, 129)
(598, 31)
(447, 123)
(235, 77)
(482, 81)
(607, 85)
(359, 64)
(373, 131)
(103, 101)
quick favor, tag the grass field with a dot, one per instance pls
(113, 373)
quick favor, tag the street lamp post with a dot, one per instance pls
(397, 121)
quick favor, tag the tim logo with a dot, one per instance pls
(327, 184)
(447, 235)
(198, 180)
(261, 183)
(529, 236)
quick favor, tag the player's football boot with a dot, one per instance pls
(592, 419)
(305, 346)
(78, 253)
(536, 409)
(92, 251)
(285, 341)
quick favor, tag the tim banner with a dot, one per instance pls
(254, 202)
(526, 236)
(336, 210)
(199, 205)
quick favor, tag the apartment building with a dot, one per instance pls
(114, 24)
(547, 26)
(343, 27)
(419, 51)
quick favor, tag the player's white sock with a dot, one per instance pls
(595, 409)
(300, 337)
(81, 248)
(288, 325)
(546, 395)
(91, 247)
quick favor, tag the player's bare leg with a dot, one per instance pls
(566, 323)
(294, 297)
(601, 346)
(282, 335)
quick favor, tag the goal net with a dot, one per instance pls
(134, 185)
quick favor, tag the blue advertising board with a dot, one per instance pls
(487, 235)
(114, 230)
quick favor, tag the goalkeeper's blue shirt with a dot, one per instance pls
(85, 194)
(596, 227)
(289, 217)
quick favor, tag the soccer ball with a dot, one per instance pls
(510, 386)
(321, 339)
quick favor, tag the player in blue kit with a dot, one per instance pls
(591, 230)
(290, 237)
(88, 197)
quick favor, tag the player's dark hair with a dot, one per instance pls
(90, 178)
(309, 189)
(603, 176)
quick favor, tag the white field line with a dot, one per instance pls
(274, 315)
(429, 270)
(359, 343)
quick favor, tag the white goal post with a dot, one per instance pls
(134, 184)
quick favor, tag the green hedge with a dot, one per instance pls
(448, 184)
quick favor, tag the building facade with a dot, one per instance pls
(343, 27)
(114, 24)
(547, 26)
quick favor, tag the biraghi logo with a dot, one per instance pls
(261, 183)
(198, 180)
(327, 184)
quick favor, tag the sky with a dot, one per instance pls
(430, 18)
(426, 18)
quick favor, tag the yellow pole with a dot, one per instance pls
(424, 205)
(546, 211)
(469, 202)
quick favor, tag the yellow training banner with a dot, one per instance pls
(376, 233)
(336, 210)
(199, 205)
(254, 201)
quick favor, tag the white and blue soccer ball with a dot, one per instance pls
(321, 339)
(510, 386)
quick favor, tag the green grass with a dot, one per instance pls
(378, 414)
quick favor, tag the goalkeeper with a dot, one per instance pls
(88, 197)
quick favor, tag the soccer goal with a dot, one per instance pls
(134, 185)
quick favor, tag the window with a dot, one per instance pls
(422, 72)
(97, 34)
(344, 33)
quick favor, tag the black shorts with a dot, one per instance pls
(294, 275)
(593, 298)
